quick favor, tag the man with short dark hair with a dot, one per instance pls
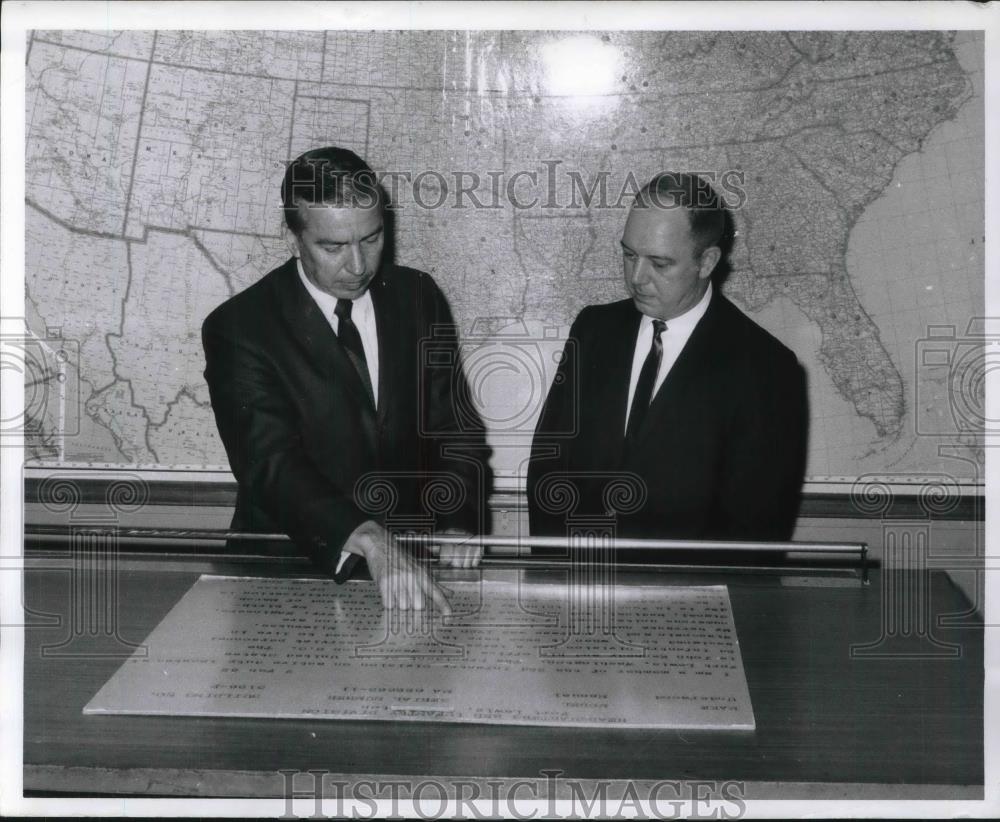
(338, 393)
(676, 387)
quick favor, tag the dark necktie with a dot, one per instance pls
(644, 387)
(347, 333)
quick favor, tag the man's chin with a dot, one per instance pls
(351, 291)
(644, 306)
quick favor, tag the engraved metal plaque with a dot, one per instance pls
(510, 653)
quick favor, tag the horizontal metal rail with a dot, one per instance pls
(486, 541)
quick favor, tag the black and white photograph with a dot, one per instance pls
(498, 410)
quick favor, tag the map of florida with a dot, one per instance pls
(153, 163)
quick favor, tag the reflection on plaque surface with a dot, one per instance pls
(511, 653)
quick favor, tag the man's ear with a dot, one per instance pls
(709, 260)
(292, 241)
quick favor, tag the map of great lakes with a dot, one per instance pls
(154, 161)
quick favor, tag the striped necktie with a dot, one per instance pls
(350, 338)
(644, 387)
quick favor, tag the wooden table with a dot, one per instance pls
(829, 723)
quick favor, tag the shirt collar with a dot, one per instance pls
(327, 302)
(685, 323)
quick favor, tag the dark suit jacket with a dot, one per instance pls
(300, 430)
(720, 455)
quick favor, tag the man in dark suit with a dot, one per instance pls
(338, 393)
(675, 390)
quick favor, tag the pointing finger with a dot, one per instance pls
(440, 600)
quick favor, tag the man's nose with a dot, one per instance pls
(640, 271)
(356, 262)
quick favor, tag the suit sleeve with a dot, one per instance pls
(266, 452)
(453, 434)
(552, 440)
(766, 456)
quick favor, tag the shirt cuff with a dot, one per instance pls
(345, 566)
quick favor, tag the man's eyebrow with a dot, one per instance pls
(341, 242)
(651, 256)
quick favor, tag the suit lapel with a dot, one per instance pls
(314, 335)
(612, 372)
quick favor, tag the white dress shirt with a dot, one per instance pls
(363, 314)
(674, 338)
